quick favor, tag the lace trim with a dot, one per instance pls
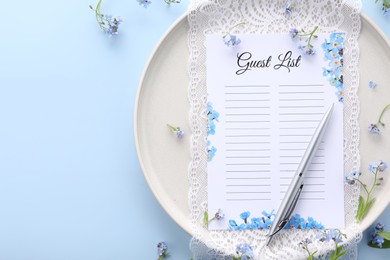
(262, 17)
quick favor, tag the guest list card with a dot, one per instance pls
(265, 100)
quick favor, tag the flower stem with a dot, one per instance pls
(236, 26)
(363, 185)
(312, 33)
(374, 183)
(230, 30)
(173, 129)
(381, 115)
(372, 187)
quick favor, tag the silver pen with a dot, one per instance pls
(290, 200)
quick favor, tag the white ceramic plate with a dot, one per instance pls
(162, 98)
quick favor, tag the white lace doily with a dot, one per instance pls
(263, 17)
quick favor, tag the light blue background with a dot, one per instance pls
(70, 183)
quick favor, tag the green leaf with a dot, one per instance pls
(205, 218)
(385, 235)
(310, 257)
(341, 253)
(369, 203)
(385, 244)
(360, 209)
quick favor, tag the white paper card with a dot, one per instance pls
(266, 99)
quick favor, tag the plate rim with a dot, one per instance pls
(183, 223)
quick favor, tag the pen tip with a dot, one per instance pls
(268, 242)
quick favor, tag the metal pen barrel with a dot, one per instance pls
(297, 181)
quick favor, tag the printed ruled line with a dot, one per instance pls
(289, 163)
(244, 100)
(249, 143)
(299, 127)
(308, 184)
(247, 157)
(315, 170)
(296, 135)
(301, 99)
(261, 121)
(311, 199)
(247, 135)
(247, 192)
(308, 191)
(293, 149)
(243, 107)
(248, 185)
(249, 86)
(257, 171)
(254, 178)
(299, 106)
(233, 164)
(264, 114)
(248, 93)
(293, 142)
(298, 114)
(247, 150)
(292, 121)
(245, 199)
(248, 128)
(304, 85)
(308, 177)
(302, 92)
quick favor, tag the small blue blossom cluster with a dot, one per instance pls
(113, 23)
(266, 221)
(108, 23)
(307, 48)
(144, 3)
(333, 50)
(244, 251)
(219, 215)
(287, 8)
(212, 117)
(304, 244)
(176, 130)
(372, 84)
(230, 39)
(385, 7)
(376, 167)
(162, 250)
(374, 237)
(336, 236)
(365, 203)
(329, 235)
(374, 128)
(351, 178)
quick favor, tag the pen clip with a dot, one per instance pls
(289, 212)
